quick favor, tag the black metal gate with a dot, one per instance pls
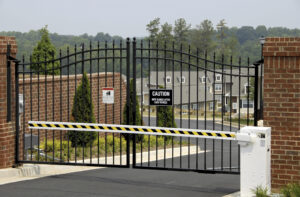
(209, 92)
(48, 90)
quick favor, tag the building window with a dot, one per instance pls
(185, 107)
(211, 106)
(244, 104)
(168, 79)
(234, 105)
(218, 87)
(218, 98)
(247, 88)
(194, 107)
(218, 77)
(182, 80)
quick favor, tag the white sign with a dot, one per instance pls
(108, 95)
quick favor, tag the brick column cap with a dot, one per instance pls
(282, 47)
(4, 41)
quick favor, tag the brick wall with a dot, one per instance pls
(7, 131)
(38, 101)
(282, 107)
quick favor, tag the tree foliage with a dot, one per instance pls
(165, 116)
(82, 111)
(242, 41)
(138, 118)
(45, 52)
(202, 37)
(153, 28)
(181, 30)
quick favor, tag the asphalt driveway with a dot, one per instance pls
(117, 182)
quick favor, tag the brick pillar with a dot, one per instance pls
(282, 107)
(7, 129)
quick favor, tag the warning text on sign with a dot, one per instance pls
(161, 97)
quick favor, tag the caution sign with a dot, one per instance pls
(108, 95)
(161, 97)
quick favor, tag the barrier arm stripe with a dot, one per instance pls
(113, 128)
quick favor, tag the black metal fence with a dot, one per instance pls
(209, 92)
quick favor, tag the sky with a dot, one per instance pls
(128, 18)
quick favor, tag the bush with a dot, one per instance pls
(291, 190)
(82, 111)
(138, 118)
(260, 191)
(165, 117)
(57, 146)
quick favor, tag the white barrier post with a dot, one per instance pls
(255, 155)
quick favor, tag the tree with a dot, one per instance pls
(232, 44)
(202, 37)
(181, 30)
(261, 30)
(82, 111)
(221, 35)
(246, 33)
(165, 117)
(165, 34)
(45, 52)
(153, 28)
(138, 118)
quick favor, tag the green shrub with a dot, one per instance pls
(57, 146)
(291, 190)
(82, 111)
(165, 117)
(260, 191)
(138, 118)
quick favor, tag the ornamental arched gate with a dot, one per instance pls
(201, 101)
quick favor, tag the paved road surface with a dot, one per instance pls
(117, 182)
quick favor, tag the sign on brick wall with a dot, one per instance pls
(108, 95)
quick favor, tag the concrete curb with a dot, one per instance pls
(235, 194)
(33, 171)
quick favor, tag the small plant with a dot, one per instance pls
(260, 191)
(291, 190)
